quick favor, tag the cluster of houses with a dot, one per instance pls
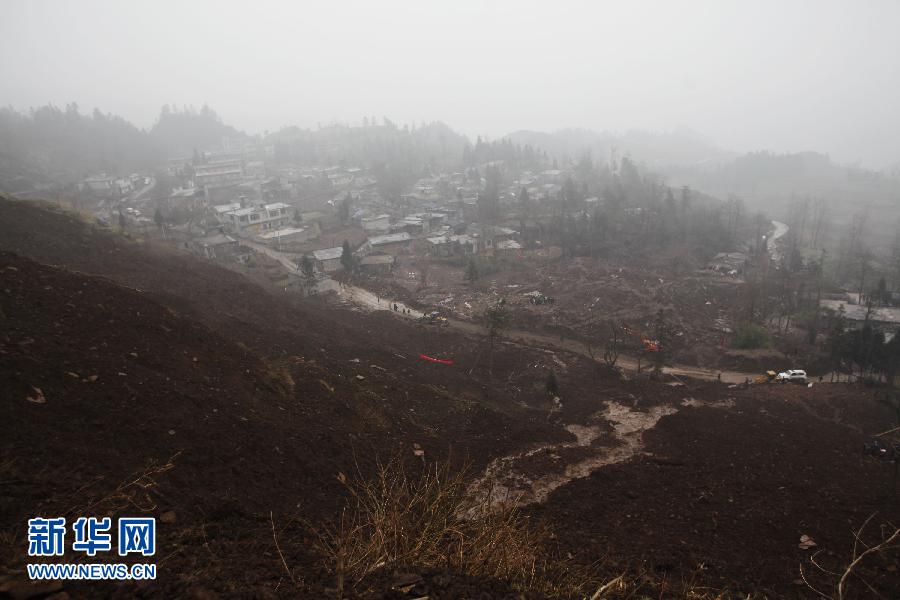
(857, 312)
(303, 210)
(377, 238)
(106, 186)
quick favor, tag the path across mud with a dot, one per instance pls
(364, 298)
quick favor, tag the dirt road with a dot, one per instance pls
(780, 230)
(286, 260)
(364, 298)
(367, 299)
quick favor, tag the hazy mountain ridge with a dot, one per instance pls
(679, 147)
(771, 181)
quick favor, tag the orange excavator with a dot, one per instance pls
(649, 345)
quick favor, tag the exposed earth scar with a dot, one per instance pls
(508, 479)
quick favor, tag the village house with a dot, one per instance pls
(377, 263)
(411, 225)
(439, 246)
(508, 249)
(184, 198)
(465, 244)
(216, 246)
(376, 224)
(328, 260)
(492, 235)
(288, 236)
(451, 245)
(881, 318)
(218, 173)
(392, 243)
(256, 219)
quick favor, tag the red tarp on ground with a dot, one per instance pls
(443, 361)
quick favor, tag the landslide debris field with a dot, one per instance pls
(138, 380)
(630, 290)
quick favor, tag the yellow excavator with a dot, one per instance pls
(769, 377)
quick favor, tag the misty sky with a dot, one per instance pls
(782, 75)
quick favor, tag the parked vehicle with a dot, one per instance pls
(434, 317)
(769, 377)
(792, 376)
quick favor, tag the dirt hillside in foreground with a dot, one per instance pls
(283, 395)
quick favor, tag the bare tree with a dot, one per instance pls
(497, 319)
(820, 216)
(309, 274)
(610, 338)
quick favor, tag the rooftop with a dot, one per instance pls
(328, 253)
(282, 232)
(217, 239)
(857, 312)
(227, 208)
(240, 212)
(390, 238)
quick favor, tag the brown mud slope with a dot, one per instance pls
(170, 384)
(726, 493)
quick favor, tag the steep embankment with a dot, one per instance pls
(140, 380)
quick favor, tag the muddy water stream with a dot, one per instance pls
(511, 480)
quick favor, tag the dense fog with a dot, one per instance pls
(779, 76)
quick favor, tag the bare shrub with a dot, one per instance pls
(886, 545)
(135, 492)
(425, 519)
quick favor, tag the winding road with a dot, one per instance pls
(780, 230)
(366, 299)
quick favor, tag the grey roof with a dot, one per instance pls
(277, 233)
(857, 312)
(390, 238)
(226, 208)
(328, 253)
(217, 239)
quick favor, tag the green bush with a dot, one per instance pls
(751, 336)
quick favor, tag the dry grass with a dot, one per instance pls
(276, 376)
(420, 518)
(425, 519)
(136, 492)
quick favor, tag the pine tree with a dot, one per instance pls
(347, 257)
